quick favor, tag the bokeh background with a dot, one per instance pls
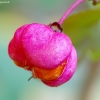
(82, 26)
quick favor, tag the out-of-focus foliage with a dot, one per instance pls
(6, 4)
(84, 30)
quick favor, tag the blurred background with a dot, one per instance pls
(82, 26)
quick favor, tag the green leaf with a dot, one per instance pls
(84, 30)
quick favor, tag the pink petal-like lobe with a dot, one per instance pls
(67, 72)
(44, 47)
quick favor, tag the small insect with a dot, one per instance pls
(56, 27)
(95, 2)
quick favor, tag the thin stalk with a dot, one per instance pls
(71, 8)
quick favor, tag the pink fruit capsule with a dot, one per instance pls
(45, 52)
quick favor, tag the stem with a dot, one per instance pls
(70, 10)
(30, 78)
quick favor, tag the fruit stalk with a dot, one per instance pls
(71, 8)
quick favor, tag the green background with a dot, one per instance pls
(82, 26)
